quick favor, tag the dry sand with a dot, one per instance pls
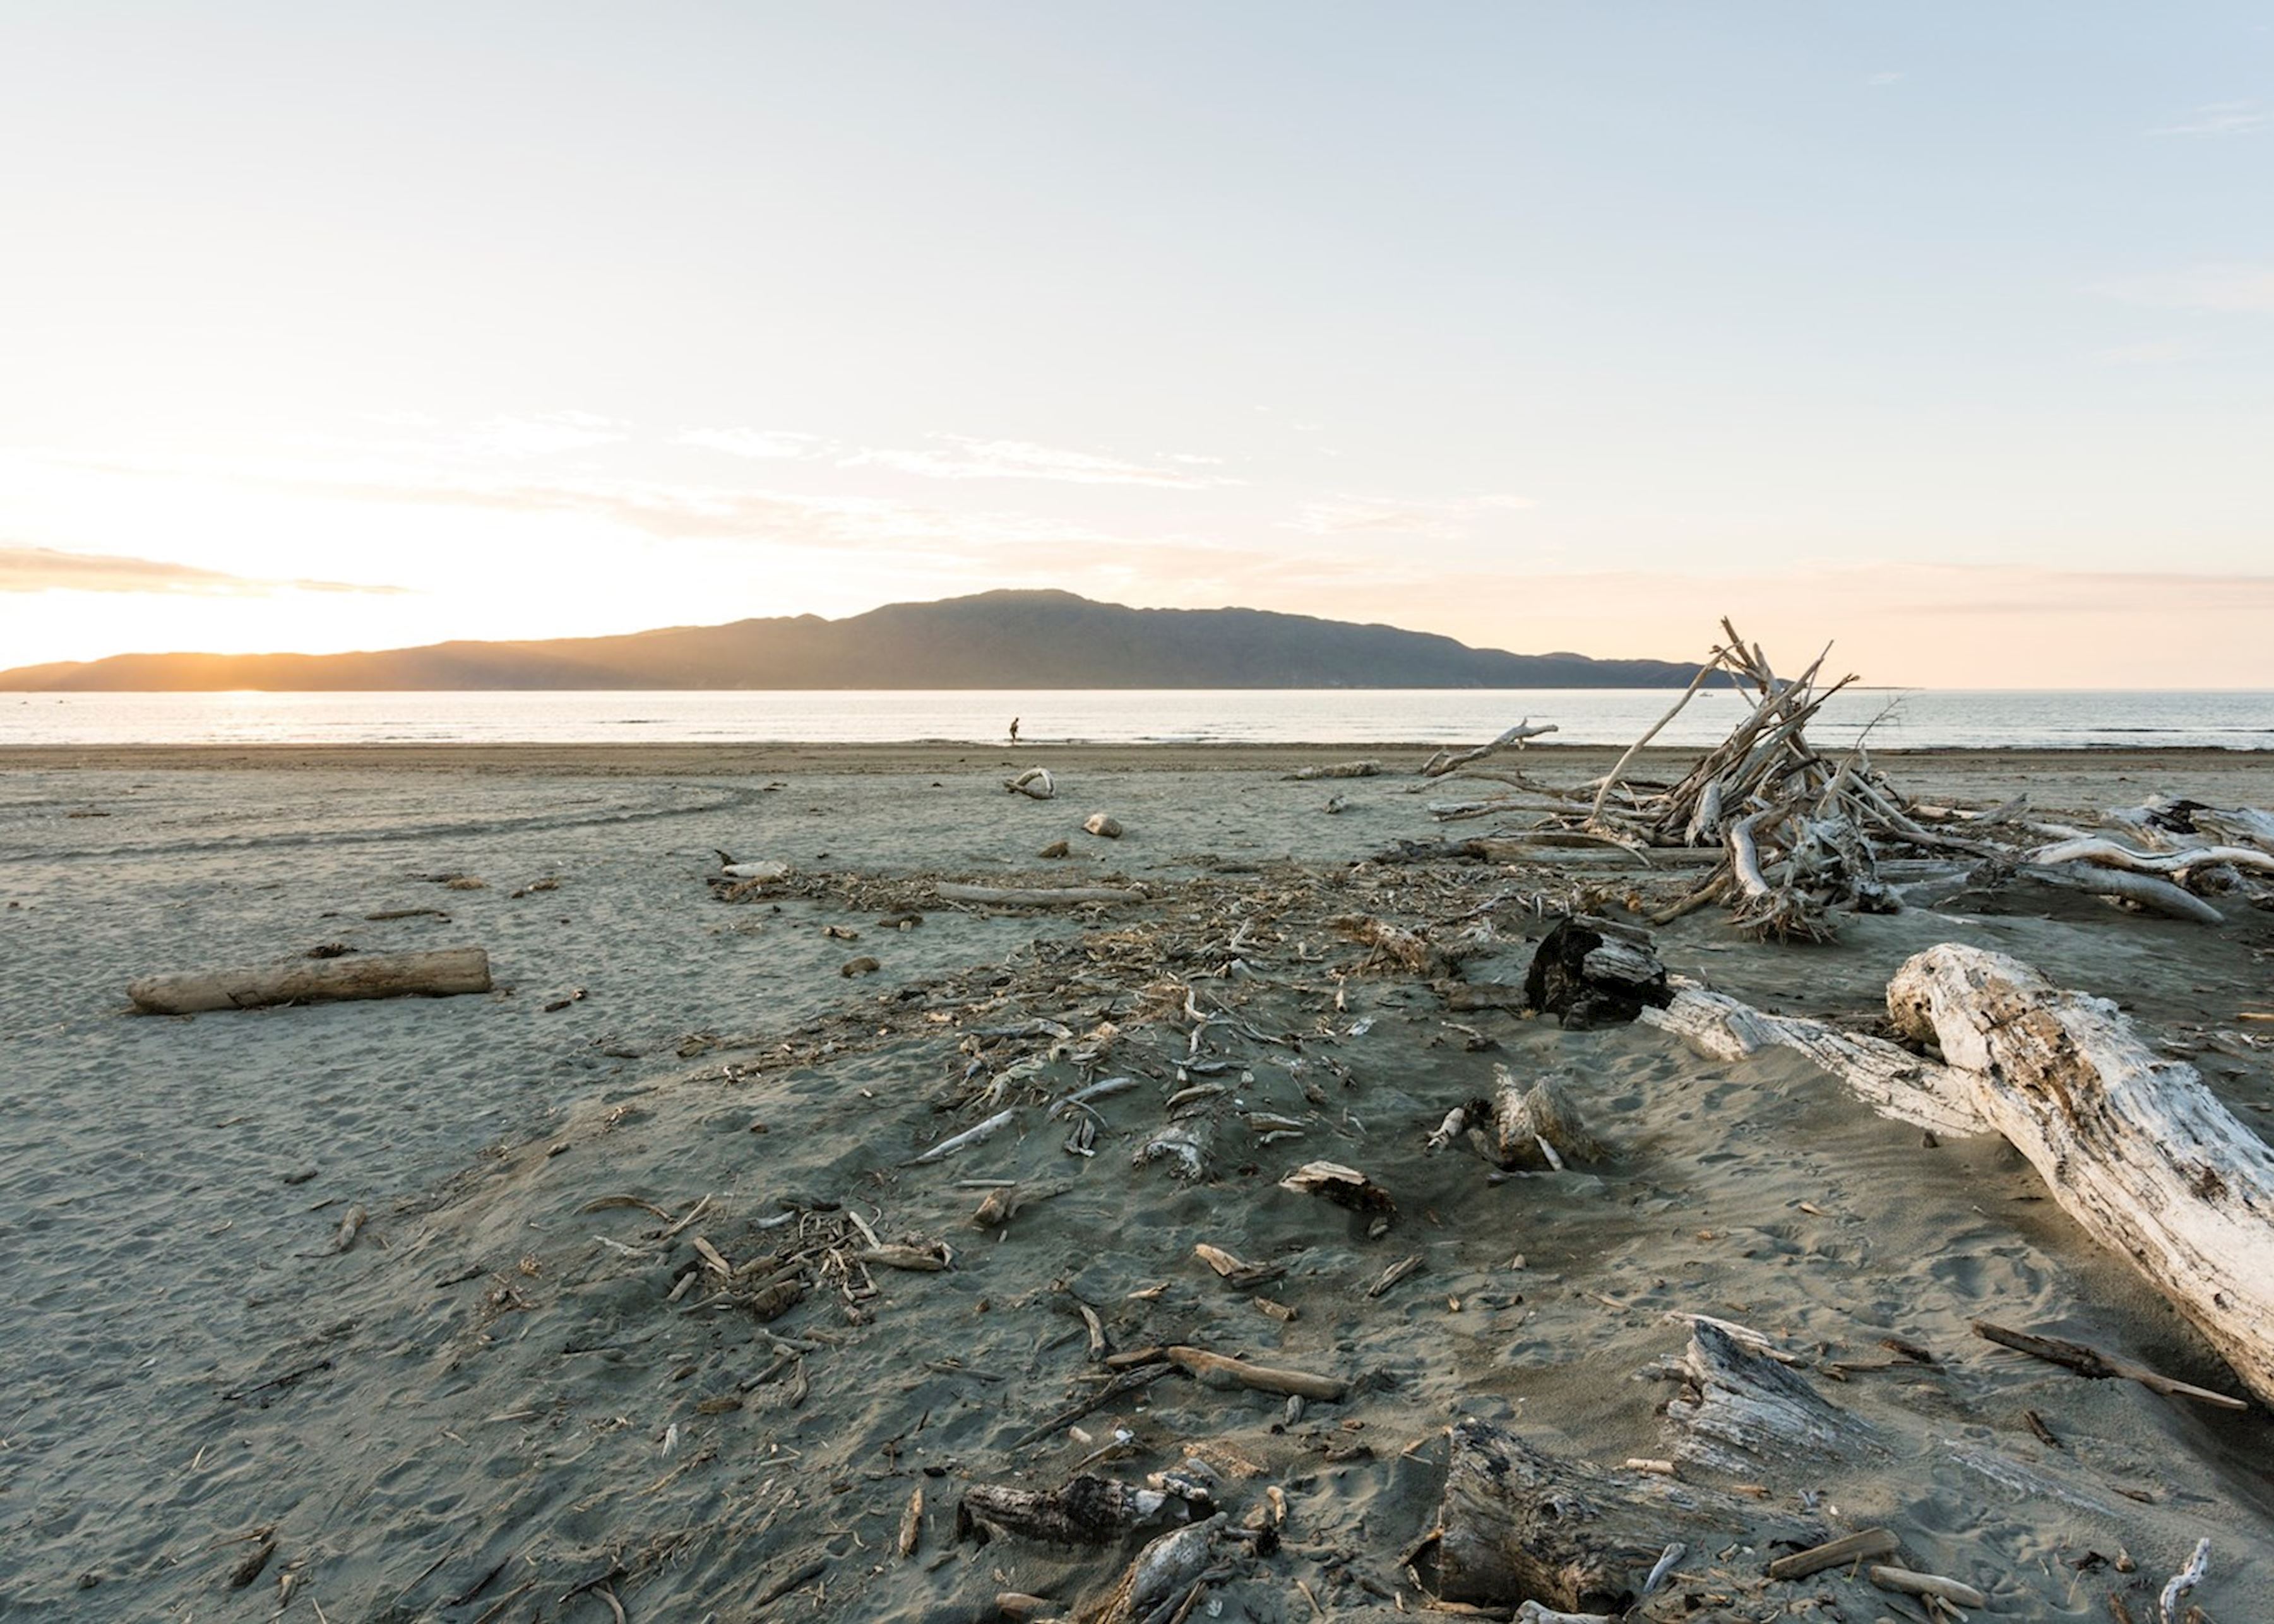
(489, 1395)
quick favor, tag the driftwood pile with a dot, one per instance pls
(1803, 837)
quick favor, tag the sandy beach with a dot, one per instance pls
(521, 1382)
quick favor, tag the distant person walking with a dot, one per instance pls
(1015, 730)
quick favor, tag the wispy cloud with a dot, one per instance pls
(543, 435)
(2226, 286)
(758, 442)
(1883, 78)
(2219, 118)
(1361, 516)
(48, 569)
(961, 456)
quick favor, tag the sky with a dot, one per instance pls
(1943, 332)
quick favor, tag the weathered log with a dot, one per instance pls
(2106, 854)
(1338, 769)
(1035, 783)
(1163, 1571)
(439, 973)
(1037, 896)
(1742, 1412)
(2145, 890)
(1886, 1076)
(2132, 1145)
(1539, 1126)
(1588, 972)
(1084, 1510)
(1521, 1525)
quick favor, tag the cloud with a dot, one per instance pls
(1885, 79)
(2225, 286)
(45, 569)
(2219, 118)
(543, 435)
(965, 457)
(757, 442)
(1358, 515)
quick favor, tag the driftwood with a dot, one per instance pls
(1037, 896)
(1518, 1525)
(1034, 784)
(1445, 760)
(1742, 1412)
(442, 973)
(1215, 1370)
(1084, 1510)
(1338, 769)
(2095, 1364)
(1539, 1126)
(1167, 1569)
(1589, 972)
(2132, 1145)
(1409, 948)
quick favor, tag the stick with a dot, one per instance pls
(1215, 1370)
(1835, 1553)
(2091, 1363)
(1912, 1584)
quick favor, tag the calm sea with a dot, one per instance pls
(1916, 719)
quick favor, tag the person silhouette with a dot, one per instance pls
(1015, 730)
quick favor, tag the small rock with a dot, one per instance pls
(1056, 848)
(863, 966)
(1104, 825)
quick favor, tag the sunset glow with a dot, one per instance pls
(339, 329)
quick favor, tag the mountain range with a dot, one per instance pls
(993, 640)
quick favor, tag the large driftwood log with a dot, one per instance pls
(1521, 1525)
(1886, 1076)
(434, 974)
(2132, 1145)
(2157, 895)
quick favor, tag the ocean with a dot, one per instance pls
(1904, 719)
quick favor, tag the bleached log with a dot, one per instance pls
(2107, 854)
(1339, 770)
(1886, 1076)
(2132, 1145)
(2158, 896)
(1035, 783)
(1036, 896)
(440, 972)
